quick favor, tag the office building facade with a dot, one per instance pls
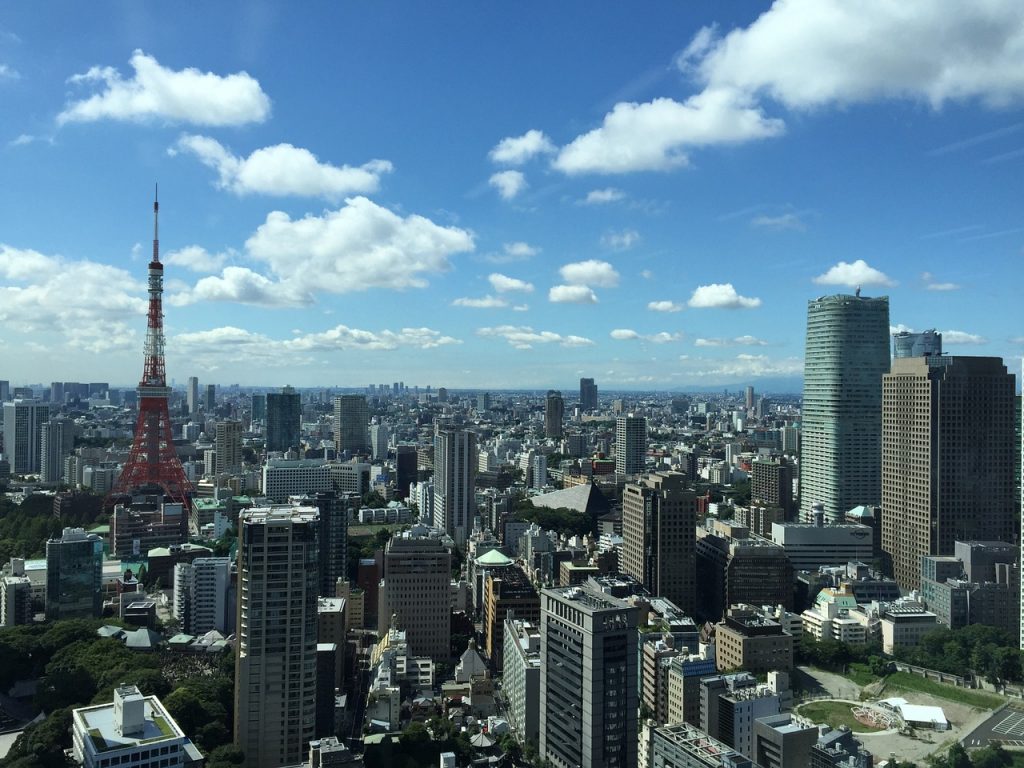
(455, 465)
(630, 444)
(554, 414)
(74, 575)
(228, 448)
(284, 420)
(351, 421)
(417, 572)
(588, 395)
(24, 422)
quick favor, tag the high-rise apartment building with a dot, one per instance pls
(275, 670)
(588, 679)
(202, 595)
(192, 394)
(659, 519)
(57, 392)
(380, 436)
(58, 442)
(335, 509)
(284, 420)
(947, 458)
(846, 355)
(771, 482)
(24, 422)
(455, 465)
(351, 418)
(210, 403)
(228, 447)
(630, 444)
(5, 390)
(554, 414)
(74, 575)
(415, 587)
(258, 407)
(588, 395)
(748, 398)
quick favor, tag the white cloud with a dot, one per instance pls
(524, 337)
(750, 341)
(156, 92)
(516, 150)
(243, 286)
(739, 341)
(627, 334)
(790, 221)
(195, 258)
(590, 272)
(720, 296)
(282, 169)
(899, 328)
(854, 274)
(624, 334)
(508, 183)
(603, 196)
(654, 136)
(620, 241)
(647, 274)
(7, 73)
(505, 284)
(359, 246)
(931, 284)
(962, 337)
(746, 365)
(510, 252)
(21, 140)
(487, 302)
(571, 294)
(664, 306)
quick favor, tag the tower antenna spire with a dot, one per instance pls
(156, 223)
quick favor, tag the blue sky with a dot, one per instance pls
(503, 195)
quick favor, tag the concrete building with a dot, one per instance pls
(771, 483)
(834, 616)
(521, 678)
(58, 443)
(980, 584)
(15, 601)
(145, 524)
(730, 706)
(284, 420)
(588, 684)
(258, 408)
(228, 447)
(335, 510)
(554, 414)
(734, 569)
(656, 655)
(283, 478)
(903, 626)
(682, 745)
(203, 596)
(351, 420)
(630, 444)
(74, 575)
(810, 546)
(414, 593)
(588, 395)
(380, 436)
(846, 354)
(659, 518)
(747, 640)
(684, 675)
(275, 669)
(192, 395)
(24, 422)
(782, 742)
(455, 463)
(908, 344)
(134, 731)
(948, 458)
(507, 592)
(210, 402)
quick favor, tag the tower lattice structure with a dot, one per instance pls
(153, 464)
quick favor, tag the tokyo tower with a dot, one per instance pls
(153, 464)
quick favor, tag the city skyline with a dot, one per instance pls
(345, 201)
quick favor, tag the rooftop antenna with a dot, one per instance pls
(857, 292)
(156, 223)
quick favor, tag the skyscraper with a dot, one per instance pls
(284, 420)
(630, 444)
(74, 575)
(192, 395)
(228, 447)
(847, 353)
(258, 407)
(58, 442)
(24, 422)
(275, 670)
(588, 679)
(659, 520)
(334, 509)
(57, 392)
(455, 463)
(210, 402)
(351, 417)
(947, 458)
(414, 589)
(748, 398)
(588, 395)
(554, 413)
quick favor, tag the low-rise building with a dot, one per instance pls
(749, 641)
(903, 626)
(682, 745)
(521, 677)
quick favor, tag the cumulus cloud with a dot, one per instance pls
(624, 334)
(571, 294)
(510, 252)
(157, 92)
(746, 365)
(664, 306)
(962, 337)
(282, 169)
(854, 274)
(516, 150)
(790, 221)
(627, 334)
(524, 337)
(195, 258)
(620, 241)
(242, 286)
(508, 183)
(505, 284)
(7, 73)
(931, 284)
(591, 272)
(486, 302)
(603, 196)
(739, 341)
(720, 296)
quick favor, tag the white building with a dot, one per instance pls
(455, 463)
(201, 595)
(283, 478)
(131, 732)
(811, 546)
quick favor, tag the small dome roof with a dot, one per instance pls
(493, 559)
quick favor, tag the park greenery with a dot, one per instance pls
(25, 527)
(560, 519)
(75, 667)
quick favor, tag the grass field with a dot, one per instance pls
(835, 713)
(861, 674)
(904, 681)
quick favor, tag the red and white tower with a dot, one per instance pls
(153, 465)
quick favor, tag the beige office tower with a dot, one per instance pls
(228, 448)
(415, 591)
(659, 521)
(947, 458)
(554, 414)
(275, 671)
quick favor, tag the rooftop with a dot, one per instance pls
(98, 722)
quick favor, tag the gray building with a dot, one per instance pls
(682, 745)
(58, 442)
(351, 421)
(521, 677)
(630, 444)
(810, 546)
(729, 706)
(24, 422)
(781, 742)
(284, 420)
(588, 683)
(455, 465)
(588, 395)
(846, 355)
(74, 575)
